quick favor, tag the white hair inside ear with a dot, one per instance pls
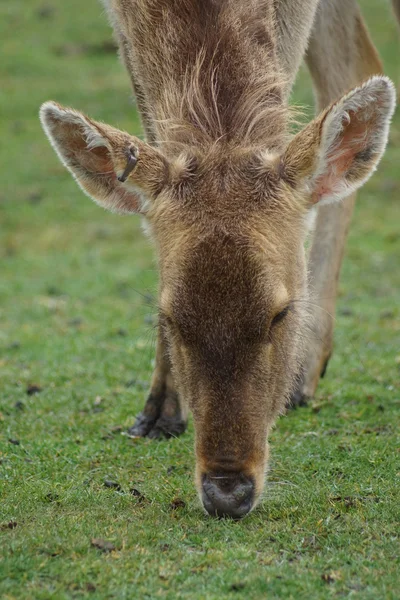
(340, 149)
(354, 135)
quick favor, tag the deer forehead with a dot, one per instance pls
(223, 273)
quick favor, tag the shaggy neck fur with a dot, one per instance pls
(204, 70)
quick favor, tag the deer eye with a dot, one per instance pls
(280, 316)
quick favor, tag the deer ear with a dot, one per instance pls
(120, 172)
(338, 151)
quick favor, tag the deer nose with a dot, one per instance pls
(227, 495)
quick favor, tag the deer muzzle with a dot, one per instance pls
(227, 495)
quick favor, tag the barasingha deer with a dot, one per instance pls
(227, 195)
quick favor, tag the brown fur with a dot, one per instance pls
(220, 265)
(226, 198)
(201, 86)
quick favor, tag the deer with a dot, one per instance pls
(228, 192)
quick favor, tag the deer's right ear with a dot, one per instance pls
(120, 172)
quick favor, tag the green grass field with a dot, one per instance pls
(76, 320)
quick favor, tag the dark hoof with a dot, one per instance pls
(297, 399)
(142, 426)
(167, 428)
(156, 428)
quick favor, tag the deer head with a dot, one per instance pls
(229, 224)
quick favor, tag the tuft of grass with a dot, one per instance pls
(86, 512)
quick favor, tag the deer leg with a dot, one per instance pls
(396, 8)
(340, 55)
(164, 415)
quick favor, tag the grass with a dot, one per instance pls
(75, 320)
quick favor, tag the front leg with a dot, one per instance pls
(338, 58)
(164, 415)
(324, 267)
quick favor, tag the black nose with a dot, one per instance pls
(227, 495)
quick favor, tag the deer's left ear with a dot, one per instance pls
(119, 171)
(339, 150)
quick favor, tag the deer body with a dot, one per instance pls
(226, 193)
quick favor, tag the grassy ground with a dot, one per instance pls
(73, 324)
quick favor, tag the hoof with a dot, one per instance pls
(167, 428)
(298, 398)
(163, 427)
(142, 426)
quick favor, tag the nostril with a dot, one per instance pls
(241, 493)
(227, 495)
